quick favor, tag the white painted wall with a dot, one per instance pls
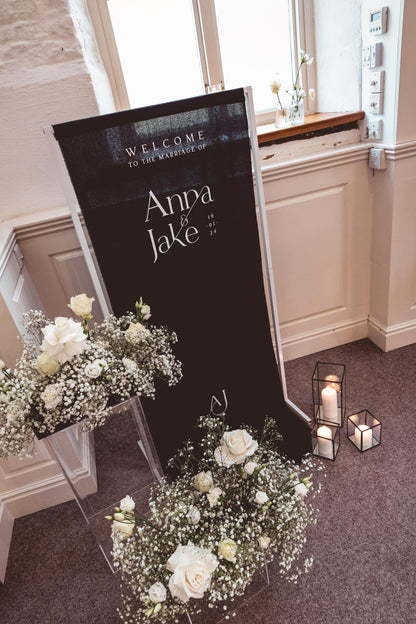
(43, 80)
(406, 120)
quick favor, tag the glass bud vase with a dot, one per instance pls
(296, 113)
(281, 119)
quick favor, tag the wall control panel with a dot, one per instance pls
(373, 76)
(378, 21)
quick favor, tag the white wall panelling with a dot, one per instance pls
(31, 484)
(392, 321)
(34, 483)
(58, 268)
(320, 215)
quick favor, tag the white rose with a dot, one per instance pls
(52, 396)
(203, 482)
(193, 516)
(145, 310)
(2, 364)
(192, 568)
(235, 447)
(301, 490)
(129, 365)
(157, 592)
(127, 503)
(136, 332)
(213, 496)
(250, 467)
(264, 541)
(81, 305)
(63, 339)
(124, 529)
(261, 498)
(228, 550)
(47, 364)
(94, 369)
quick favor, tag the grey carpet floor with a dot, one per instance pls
(364, 544)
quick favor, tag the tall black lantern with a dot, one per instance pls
(328, 392)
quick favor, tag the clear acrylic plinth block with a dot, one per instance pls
(328, 393)
(219, 614)
(364, 430)
(325, 440)
(102, 466)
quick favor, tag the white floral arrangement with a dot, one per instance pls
(70, 372)
(214, 526)
(296, 94)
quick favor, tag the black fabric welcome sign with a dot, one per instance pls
(167, 196)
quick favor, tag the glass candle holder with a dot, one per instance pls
(328, 393)
(325, 440)
(364, 430)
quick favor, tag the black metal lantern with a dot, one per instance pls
(364, 430)
(328, 393)
(325, 440)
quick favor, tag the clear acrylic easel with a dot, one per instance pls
(126, 463)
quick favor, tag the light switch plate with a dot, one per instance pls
(376, 54)
(376, 81)
(375, 128)
(376, 103)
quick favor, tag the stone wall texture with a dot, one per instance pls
(44, 79)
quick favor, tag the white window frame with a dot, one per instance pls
(302, 38)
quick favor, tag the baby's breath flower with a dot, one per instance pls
(80, 373)
(217, 556)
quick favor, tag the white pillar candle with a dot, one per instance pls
(325, 447)
(367, 437)
(330, 405)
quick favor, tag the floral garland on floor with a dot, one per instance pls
(210, 530)
(81, 372)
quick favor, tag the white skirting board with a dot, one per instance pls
(393, 337)
(312, 342)
(6, 530)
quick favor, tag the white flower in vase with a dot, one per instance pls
(213, 496)
(228, 550)
(294, 112)
(136, 332)
(193, 516)
(192, 568)
(47, 364)
(235, 447)
(250, 467)
(264, 541)
(203, 482)
(94, 369)
(52, 396)
(261, 498)
(157, 592)
(64, 339)
(81, 305)
(127, 504)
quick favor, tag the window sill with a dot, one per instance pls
(313, 123)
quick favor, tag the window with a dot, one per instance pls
(161, 50)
